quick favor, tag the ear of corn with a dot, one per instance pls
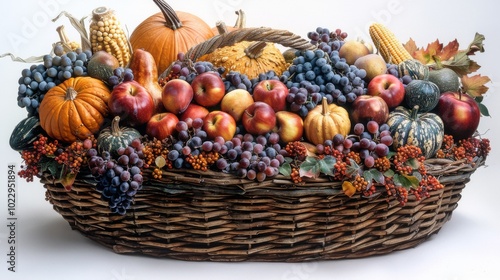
(107, 34)
(389, 47)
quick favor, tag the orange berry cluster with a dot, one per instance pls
(382, 164)
(402, 157)
(157, 173)
(296, 149)
(340, 170)
(203, 160)
(295, 175)
(153, 149)
(354, 156)
(360, 183)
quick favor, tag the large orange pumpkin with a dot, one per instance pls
(74, 109)
(167, 33)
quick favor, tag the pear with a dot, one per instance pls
(373, 64)
(352, 50)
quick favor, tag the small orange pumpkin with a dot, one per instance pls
(168, 33)
(324, 121)
(249, 58)
(74, 109)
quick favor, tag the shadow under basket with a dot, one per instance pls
(212, 216)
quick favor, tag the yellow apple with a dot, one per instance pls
(235, 102)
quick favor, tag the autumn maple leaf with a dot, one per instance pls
(435, 52)
(475, 85)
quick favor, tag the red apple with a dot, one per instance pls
(259, 118)
(389, 87)
(460, 114)
(219, 123)
(132, 102)
(161, 125)
(208, 89)
(177, 95)
(272, 92)
(367, 107)
(194, 111)
(289, 126)
(235, 102)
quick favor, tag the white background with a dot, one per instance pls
(468, 246)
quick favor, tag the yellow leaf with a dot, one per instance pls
(475, 85)
(348, 188)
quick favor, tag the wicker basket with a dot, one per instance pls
(205, 215)
(211, 216)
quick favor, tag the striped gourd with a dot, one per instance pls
(425, 131)
(25, 132)
(413, 68)
(387, 44)
(106, 34)
(112, 138)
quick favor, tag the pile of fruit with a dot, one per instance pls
(368, 115)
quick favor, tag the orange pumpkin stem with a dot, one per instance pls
(115, 127)
(171, 19)
(255, 49)
(71, 94)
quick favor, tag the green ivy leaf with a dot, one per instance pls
(413, 162)
(286, 169)
(373, 174)
(326, 165)
(483, 109)
(51, 166)
(389, 173)
(353, 168)
(406, 181)
(309, 168)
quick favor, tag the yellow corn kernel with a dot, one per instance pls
(389, 47)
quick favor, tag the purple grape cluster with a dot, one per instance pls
(327, 40)
(36, 80)
(246, 155)
(393, 70)
(252, 157)
(371, 141)
(118, 179)
(235, 80)
(187, 70)
(120, 74)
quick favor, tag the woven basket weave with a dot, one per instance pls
(212, 216)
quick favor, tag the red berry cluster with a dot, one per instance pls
(468, 149)
(41, 147)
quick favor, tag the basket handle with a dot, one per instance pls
(264, 34)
